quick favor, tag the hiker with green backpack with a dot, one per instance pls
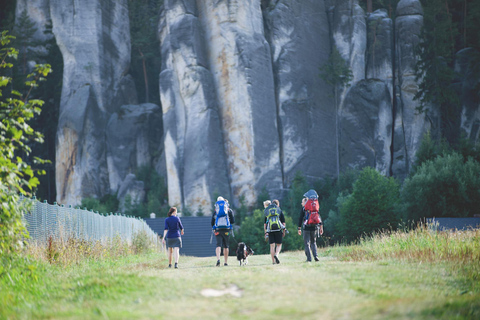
(274, 228)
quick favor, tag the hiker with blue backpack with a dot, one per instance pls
(274, 228)
(311, 223)
(222, 225)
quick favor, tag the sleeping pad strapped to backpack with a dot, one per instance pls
(312, 217)
(272, 212)
(221, 210)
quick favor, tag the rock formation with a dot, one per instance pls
(242, 105)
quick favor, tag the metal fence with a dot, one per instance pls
(59, 222)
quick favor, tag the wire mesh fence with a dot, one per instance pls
(44, 220)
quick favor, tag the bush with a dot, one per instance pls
(251, 232)
(371, 207)
(107, 204)
(16, 139)
(331, 195)
(444, 187)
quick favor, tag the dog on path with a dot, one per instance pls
(243, 251)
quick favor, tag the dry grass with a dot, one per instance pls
(74, 251)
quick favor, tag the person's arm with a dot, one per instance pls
(320, 229)
(231, 216)
(282, 219)
(213, 219)
(265, 226)
(300, 221)
(181, 226)
(165, 231)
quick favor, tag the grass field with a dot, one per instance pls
(339, 286)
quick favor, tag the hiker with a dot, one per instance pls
(222, 221)
(311, 223)
(274, 228)
(172, 233)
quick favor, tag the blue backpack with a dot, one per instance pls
(222, 221)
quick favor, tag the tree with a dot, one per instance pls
(338, 74)
(434, 68)
(447, 186)
(371, 207)
(16, 176)
(143, 16)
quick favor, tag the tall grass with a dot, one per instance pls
(461, 249)
(419, 244)
(75, 251)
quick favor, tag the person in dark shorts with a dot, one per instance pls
(222, 225)
(310, 234)
(172, 236)
(274, 228)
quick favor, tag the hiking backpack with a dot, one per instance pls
(272, 212)
(221, 210)
(312, 217)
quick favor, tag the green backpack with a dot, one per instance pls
(272, 212)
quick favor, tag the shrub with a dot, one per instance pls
(16, 138)
(372, 206)
(251, 232)
(444, 187)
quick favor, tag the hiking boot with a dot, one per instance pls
(176, 265)
(316, 259)
(308, 260)
(218, 263)
(276, 260)
(225, 264)
(169, 265)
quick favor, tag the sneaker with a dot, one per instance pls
(316, 259)
(308, 261)
(176, 266)
(218, 263)
(169, 265)
(225, 264)
(276, 260)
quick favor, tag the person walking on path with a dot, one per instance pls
(310, 231)
(172, 236)
(274, 228)
(222, 225)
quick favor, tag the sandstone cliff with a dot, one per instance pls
(242, 106)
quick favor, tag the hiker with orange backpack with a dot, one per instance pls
(311, 223)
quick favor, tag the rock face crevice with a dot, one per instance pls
(243, 107)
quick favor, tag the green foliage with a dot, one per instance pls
(435, 67)
(107, 204)
(331, 195)
(336, 71)
(371, 207)
(16, 135)
(251, 232)
(156, 199)
(447, 186)
(145, 65)
(295, 194)
(292, 241)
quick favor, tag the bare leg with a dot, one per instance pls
(217, 252)
(170, 251)
(272, 251)
(225, 254)
(278, 249)
(176, 254)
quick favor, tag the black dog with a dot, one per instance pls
(243, 251)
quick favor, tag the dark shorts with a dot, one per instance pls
(174, 242)
(275, 237)
(223, 238)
